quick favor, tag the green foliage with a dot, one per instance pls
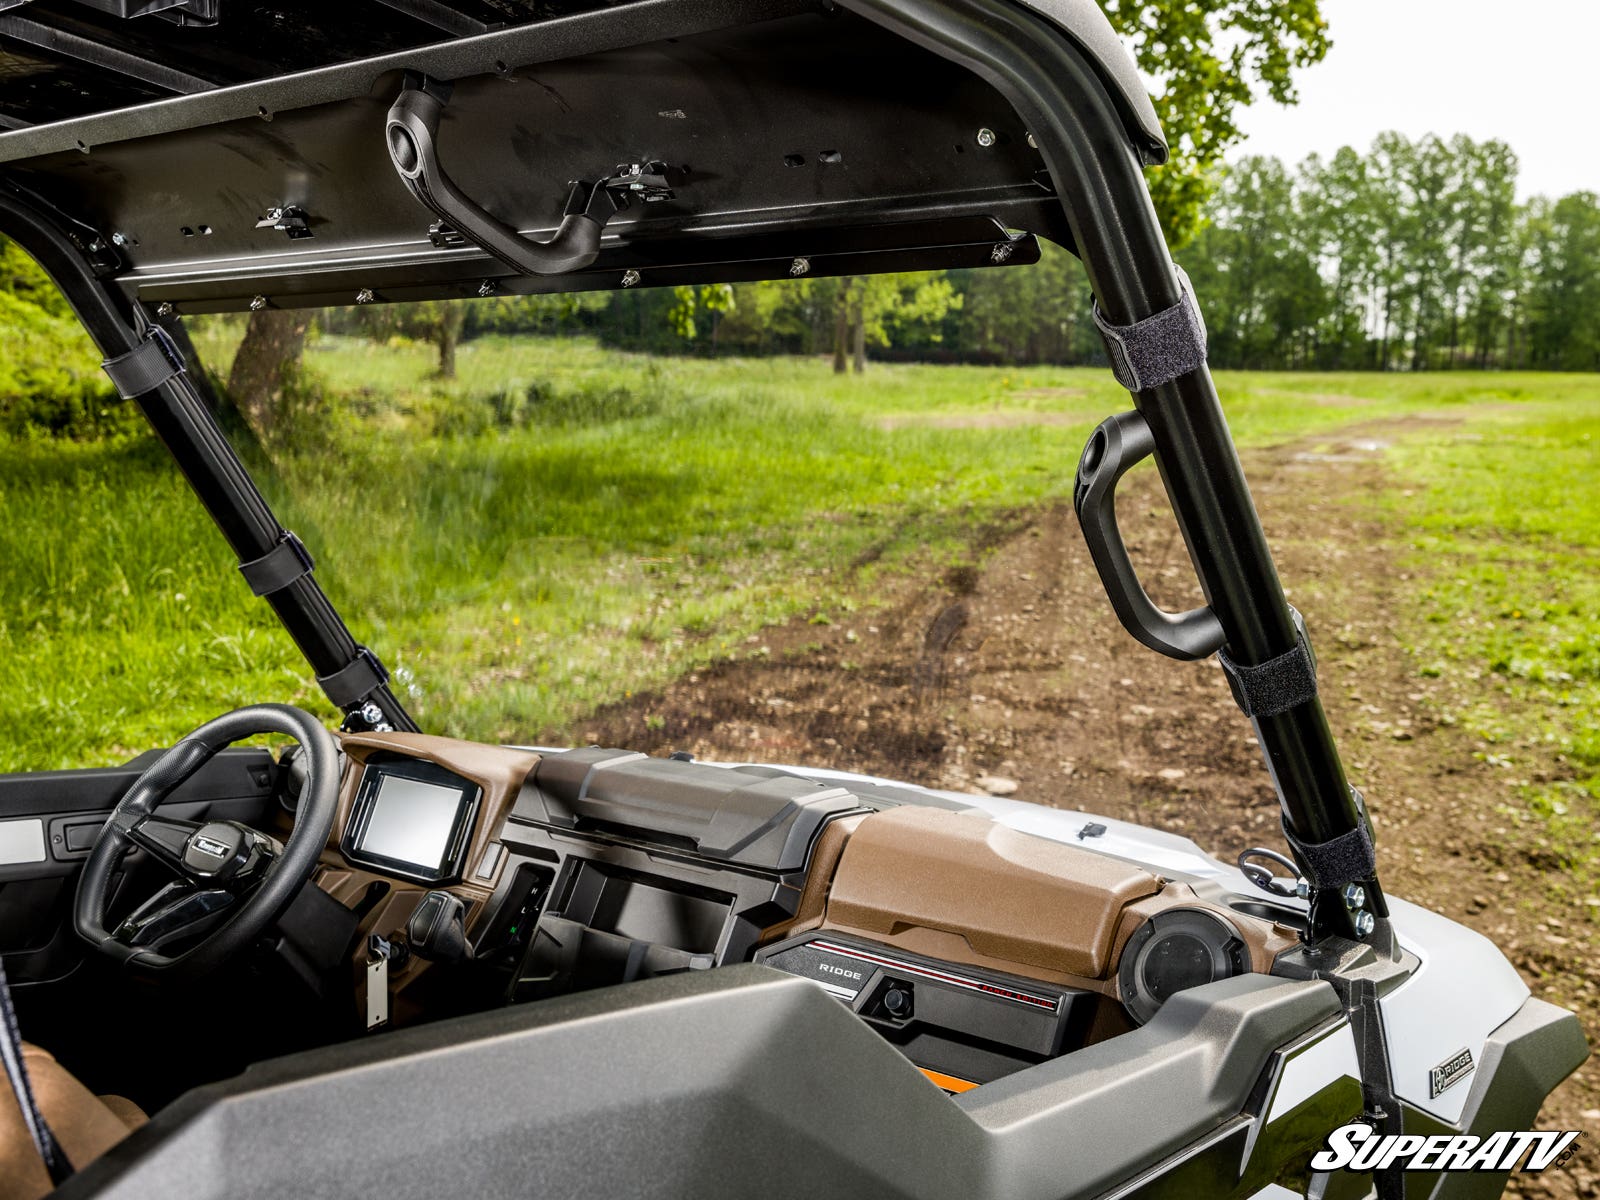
(50, 377)
(1208, 60)
(1414, 255)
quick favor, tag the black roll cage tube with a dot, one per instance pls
(80, 264)
(1110, 223)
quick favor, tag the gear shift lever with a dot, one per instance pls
(437, 930)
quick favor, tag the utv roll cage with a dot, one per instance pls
(679, 142)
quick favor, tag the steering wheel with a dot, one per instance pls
(232, 880)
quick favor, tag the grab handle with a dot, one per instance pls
(412, 131)
(1120, 442)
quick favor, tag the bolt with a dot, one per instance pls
(630, 277)
(1032, 145)
(257, 303)
(1302, 889)
(372, 714)
(365, 296)
(165, 309)
(486, 288)
(799, 267)
(1365, 922)
(1001, 252)
(119, 239)
(985, 138)
(1355, 896)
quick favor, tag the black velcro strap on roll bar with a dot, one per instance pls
(147, 366)
(356, 680)
(275, 570)
(1277, 685)
(1158, 349)
(1346, 859)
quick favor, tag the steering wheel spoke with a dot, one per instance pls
(165, 839)
(176, 913)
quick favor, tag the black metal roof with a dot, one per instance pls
(801, 137)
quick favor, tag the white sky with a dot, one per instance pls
(1523, 71)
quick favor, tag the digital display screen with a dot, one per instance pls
(411, 821)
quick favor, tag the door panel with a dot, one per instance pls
(48, 822)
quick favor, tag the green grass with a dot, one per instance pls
(522, 558)
(1506, 539)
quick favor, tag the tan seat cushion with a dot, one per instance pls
(85, 1125)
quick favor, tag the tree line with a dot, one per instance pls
(1415, 255)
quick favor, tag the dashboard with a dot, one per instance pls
(976, 949)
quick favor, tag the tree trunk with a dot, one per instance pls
(266, 364)
(858, 331)
(841, 328)
(447, 336)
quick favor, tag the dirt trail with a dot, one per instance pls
(1015, 668)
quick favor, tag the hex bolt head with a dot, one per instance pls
(1355, 896)
(1302, 889)
(1365, 923)
(799, 267)
(630, 277)
(1001, 252)
(257, 303)
(486, 288)
(365, 296)
(372, 714)
(986, 138)
(165, 309)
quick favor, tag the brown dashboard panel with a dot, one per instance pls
(499, 770)
(961, 887)
(1012, 897)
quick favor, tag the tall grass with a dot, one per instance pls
(556, 527)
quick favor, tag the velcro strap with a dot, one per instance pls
(1277, 685)
(1346, 859)
(275, 570)
(147, 366)
(1159, 348)
(355, 681)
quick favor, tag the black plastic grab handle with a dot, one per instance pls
(412, 132)
(1119, 443)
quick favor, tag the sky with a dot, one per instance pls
(1523, 71)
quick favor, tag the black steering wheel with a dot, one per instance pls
(232, 880)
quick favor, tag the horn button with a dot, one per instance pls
(217, 850)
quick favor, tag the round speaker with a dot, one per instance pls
(1173, 951)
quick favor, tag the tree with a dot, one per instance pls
(438, 322)
(1207, 59)
(868, 309)
(266, 372)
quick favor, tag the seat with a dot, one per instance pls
(85, 1125)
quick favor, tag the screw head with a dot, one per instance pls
(1001, 252)
(1032, 145)
(630, 277)
(1365, 923)
(371, 713)
(119, 239)
(257, 303)
(486, 288)
(1355, 896)
(365, 296)
(165, 309)
(986, 138)
(1302, 889)
(799, 267)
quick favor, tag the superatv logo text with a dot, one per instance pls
(1359, 1147)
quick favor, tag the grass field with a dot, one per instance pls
(563, 524)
